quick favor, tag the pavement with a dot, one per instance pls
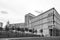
(32, 38)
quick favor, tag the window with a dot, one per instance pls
(50, 14)
(50, 26)
(50, 31)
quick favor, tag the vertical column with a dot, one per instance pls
(54, 32)
(53, 18)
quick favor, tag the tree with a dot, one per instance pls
(13, 28)
(30, 30)
(22, 29)
(41, 30)
(26, 29)
(35, 31)
(6, 28)
(18, 29)
(1, 28)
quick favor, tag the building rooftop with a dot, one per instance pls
(44, 12)
(30, 14)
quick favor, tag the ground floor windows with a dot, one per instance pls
(50, 32)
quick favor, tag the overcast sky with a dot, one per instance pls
(16, 9)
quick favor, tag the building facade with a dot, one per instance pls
(28, 17)
(48, 22)
(17, 25)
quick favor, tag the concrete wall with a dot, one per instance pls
(56, 23)
(42, 15)
(28, 17)
(17, 25)
(45, 21)
(57, 20)
(42, 21)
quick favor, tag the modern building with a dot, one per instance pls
(28, 17)
(17, 25)
(47, 23)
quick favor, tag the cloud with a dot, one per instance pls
(18, 8)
